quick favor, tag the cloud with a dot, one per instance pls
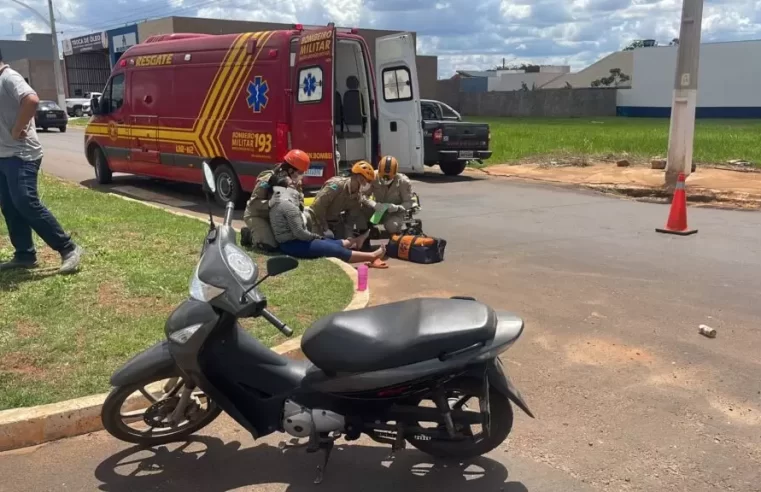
(465, 34)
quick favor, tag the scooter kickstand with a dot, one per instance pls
(327, 448)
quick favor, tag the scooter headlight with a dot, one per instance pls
(182, 336)
(240, 263)
(202, 291)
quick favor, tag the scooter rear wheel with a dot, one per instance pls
(478, 444)
(125, 404)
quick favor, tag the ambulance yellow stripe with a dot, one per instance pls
(238, 88)
(224, 98)
(220, 77)
(222, 87)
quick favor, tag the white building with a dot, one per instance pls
(729, 81)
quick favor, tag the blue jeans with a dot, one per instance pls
(24, 212)
(317, 248)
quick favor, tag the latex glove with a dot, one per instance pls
(328, 234)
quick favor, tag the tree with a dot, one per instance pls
(524, 87)
(674, 42)
(615, 78)
(640, 43)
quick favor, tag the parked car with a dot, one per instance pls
(450, 142)
(80, 106)
(50, 115)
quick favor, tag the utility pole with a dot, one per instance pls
(57, 60)
(56, 56)
(682, 126)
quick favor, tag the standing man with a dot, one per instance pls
(20, 159)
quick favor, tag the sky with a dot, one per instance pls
(465, 34)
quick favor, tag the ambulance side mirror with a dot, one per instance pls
(95, 105)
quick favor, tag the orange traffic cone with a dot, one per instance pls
(677, 222)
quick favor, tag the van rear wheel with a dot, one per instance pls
(228, 186)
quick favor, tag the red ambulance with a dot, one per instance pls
(241, 101)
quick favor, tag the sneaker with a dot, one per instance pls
(70, 261)
(16, 264)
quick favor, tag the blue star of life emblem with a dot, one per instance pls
(257, 94)
(310, 84)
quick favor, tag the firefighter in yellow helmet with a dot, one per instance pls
(394, 189)
(337, 209)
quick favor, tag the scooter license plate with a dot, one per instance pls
(315, 171)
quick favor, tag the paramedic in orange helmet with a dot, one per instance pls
(393, 189)
(258, 231)
(337, 209)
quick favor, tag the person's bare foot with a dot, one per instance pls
(380, 252)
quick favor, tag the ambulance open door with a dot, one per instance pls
(312, 130)
(400, 121)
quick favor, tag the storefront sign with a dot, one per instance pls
(120, 40)
(91, 42)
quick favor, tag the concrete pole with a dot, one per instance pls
(682, 127)
(57, 60)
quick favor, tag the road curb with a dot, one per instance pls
(30, 426)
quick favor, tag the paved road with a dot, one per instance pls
(628, 396)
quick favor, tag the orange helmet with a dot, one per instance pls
(298, 159)
(387, 169)
(364, 169)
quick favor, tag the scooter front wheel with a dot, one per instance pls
(151, 413)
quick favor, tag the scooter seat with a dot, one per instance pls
(397, 334)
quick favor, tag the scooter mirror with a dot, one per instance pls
(280, 264)
(208, 177)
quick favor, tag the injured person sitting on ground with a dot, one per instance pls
(257, 215)
(289, 228)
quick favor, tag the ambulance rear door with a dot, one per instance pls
(312, 59)
(400, 121)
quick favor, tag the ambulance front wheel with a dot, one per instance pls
(228, 186)
(103, 174)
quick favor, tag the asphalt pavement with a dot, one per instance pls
(627, 394)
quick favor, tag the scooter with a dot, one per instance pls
(406, 372)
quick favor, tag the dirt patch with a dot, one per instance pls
(718, 187)
(27, 329)
(113, 295)
(21, 364)
(600, 352)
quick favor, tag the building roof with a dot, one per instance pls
(476, 73)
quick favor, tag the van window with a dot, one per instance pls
(113, 95)
(397, 84)
(310, 85)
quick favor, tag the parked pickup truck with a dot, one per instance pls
(80, 106)
(449, 141)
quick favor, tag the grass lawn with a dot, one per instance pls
(83, 121)
(61, 337)
(716, 141)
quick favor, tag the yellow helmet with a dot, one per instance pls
(364, 169)
(387, 169)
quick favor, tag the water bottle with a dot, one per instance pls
(362, 273)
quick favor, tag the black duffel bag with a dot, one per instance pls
(417, 249)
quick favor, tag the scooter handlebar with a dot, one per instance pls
(277, 323)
